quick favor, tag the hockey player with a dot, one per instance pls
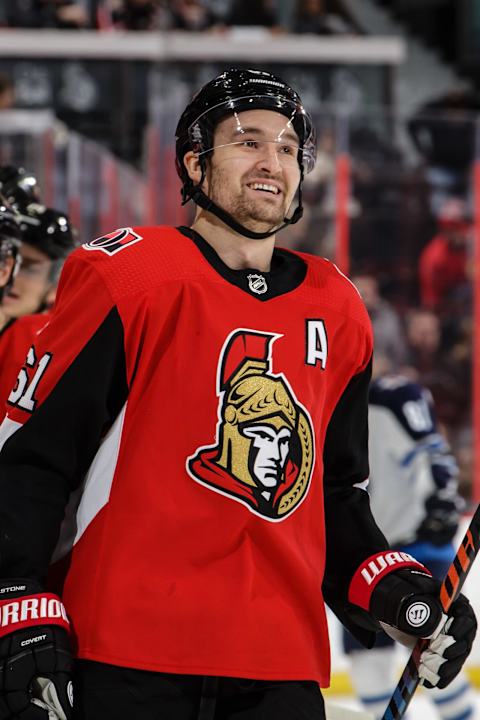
(200, 399)
(414, 498)
(47, 238)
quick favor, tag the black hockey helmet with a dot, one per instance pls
(235, 91)
(48, 230)
(10, 239)
(18, 186)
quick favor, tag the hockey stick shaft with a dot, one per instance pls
(451, 586)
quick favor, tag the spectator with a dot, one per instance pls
(285, 10)
(443, 261)
(70, 15)
(440, 359)
(221, 8)
(313, 16)
(431, 365)
(61, 14)
(192, 15)
(139, 15)
(443, 131)
(24, 13)
(6, 92)
(387, 328)
(424, 338)
(253, 13)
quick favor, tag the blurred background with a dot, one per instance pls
(91, 90)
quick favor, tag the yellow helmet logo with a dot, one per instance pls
(264, 453)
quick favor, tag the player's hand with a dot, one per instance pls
(409, 600)
(394, 588)
(405, 599)
(441, 662)
(35, 659)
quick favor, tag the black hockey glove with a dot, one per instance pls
(35, 659)
(401, 594)
(441, 662)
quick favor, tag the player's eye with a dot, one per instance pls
(287, 149)
(250, 144)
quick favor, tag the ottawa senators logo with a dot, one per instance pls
(264, 453)
(114, 241)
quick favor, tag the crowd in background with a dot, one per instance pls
(411, 237)
(324, 17)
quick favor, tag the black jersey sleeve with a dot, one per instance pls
(352, 534)
(48, 449)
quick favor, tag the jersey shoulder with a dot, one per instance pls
(332, 287)
(133, 259)
(24, 328)
(31, 323)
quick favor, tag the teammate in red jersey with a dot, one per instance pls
(47, 238)
(188, 438)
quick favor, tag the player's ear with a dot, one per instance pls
(193, 166)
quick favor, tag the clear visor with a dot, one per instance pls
(245, 136)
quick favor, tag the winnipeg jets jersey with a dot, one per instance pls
(208, 429)
(413, 475)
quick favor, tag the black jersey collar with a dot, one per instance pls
(287, 270)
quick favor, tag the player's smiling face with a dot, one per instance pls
(253, 172)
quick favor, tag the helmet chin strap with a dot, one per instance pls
(199, 197)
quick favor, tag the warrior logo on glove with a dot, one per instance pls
(264, 453)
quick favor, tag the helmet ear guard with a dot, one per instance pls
(233, 92)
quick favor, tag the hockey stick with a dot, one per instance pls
(451, 586)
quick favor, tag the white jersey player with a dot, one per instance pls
(414, 499)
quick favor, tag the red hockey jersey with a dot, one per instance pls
(15, 340)
(192, 415)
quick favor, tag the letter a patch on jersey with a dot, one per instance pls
(264, 452)
(114, 242)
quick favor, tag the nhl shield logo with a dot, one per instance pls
(257, 284)
(263, 456)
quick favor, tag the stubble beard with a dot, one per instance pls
(258, 215)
